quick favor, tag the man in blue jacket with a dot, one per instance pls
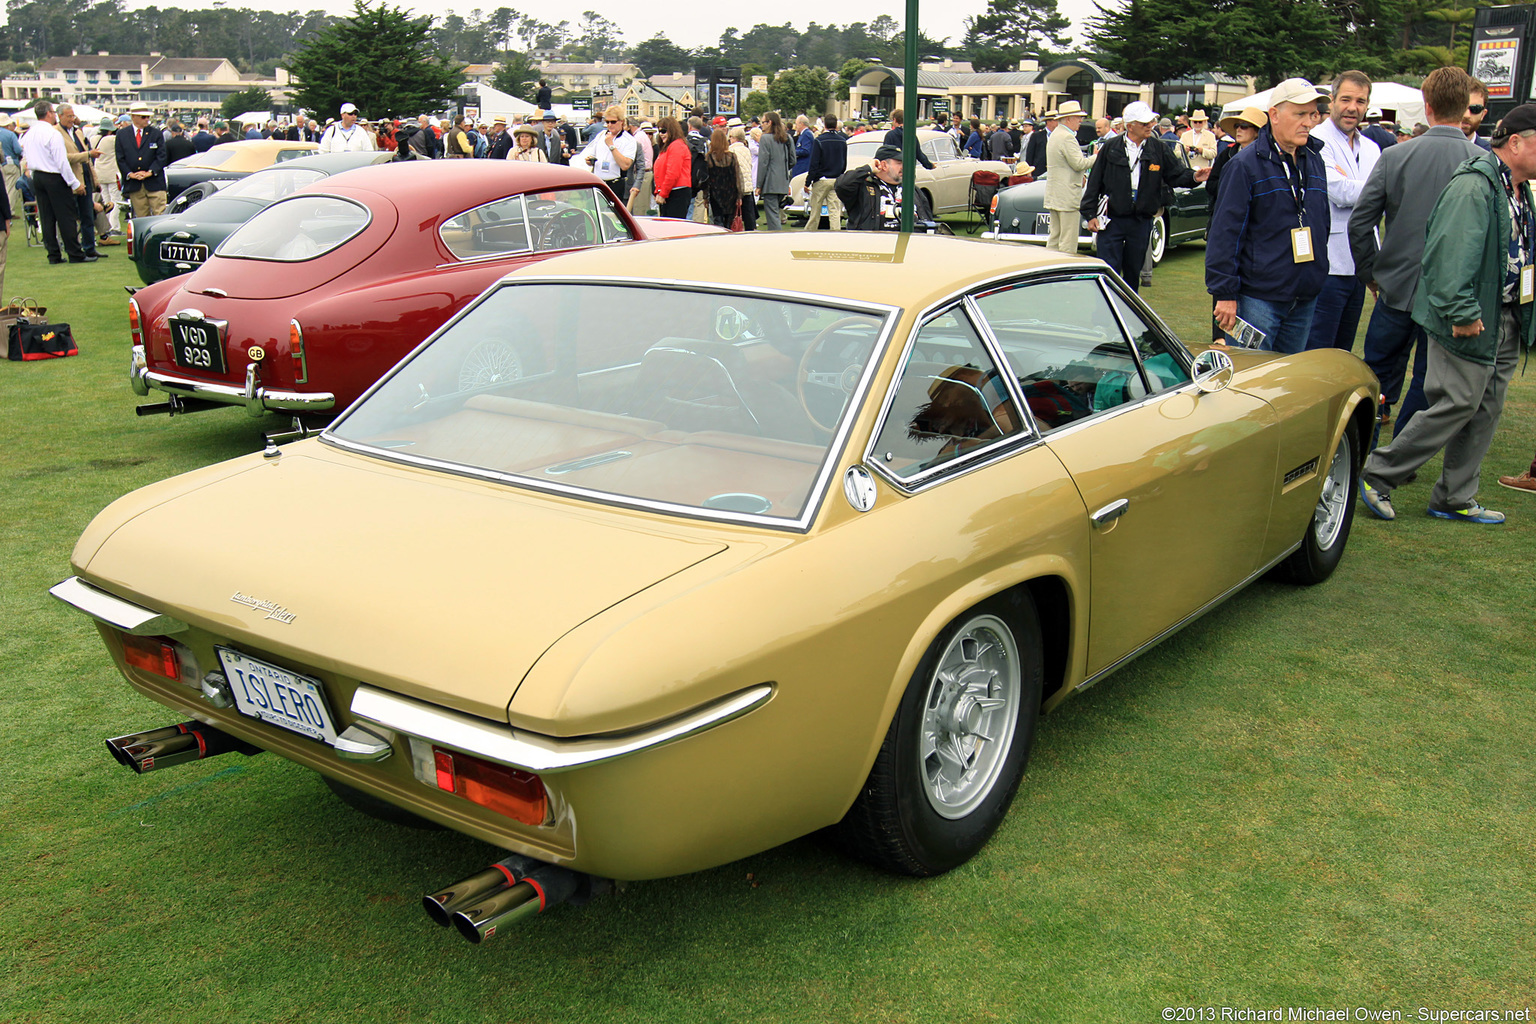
(1266, 254)
(805, 141)
(829, 159)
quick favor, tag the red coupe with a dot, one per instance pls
(307, 304)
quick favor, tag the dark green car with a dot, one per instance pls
(179, 241)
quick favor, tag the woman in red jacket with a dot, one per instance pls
(673, 170)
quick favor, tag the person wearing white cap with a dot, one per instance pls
(1266, 254)
(141, 159)
(1374, 130)
(1348, 158)
(346, 135)
(1065, 165)
(1126, 189)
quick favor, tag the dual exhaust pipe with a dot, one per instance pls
(502, 894)
(175, 744)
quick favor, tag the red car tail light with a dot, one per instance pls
(135, 323)
(152, 654)
(128, 237)
(517, 794)
(296, 350)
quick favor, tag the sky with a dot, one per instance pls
(702, 23)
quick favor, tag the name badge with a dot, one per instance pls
(1527, 284)
(1301, 245)
(1154, 167)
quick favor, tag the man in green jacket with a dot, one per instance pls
(1475, 301)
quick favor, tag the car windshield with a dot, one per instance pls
(297, 229)
(274, 184)
(701, 402)
(861, 150)
(212, 158)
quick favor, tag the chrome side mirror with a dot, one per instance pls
(1213, 370)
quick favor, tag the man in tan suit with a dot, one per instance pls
(82, 159)
(1064, 167)
(1199, 143)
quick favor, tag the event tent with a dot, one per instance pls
(494, 103)
(88, 115)
(1401, 104)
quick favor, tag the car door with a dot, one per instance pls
(949, 182)
(1176, 484)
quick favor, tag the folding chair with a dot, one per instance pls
(984, 185)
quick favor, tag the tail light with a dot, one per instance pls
(135, 323)
(152, 654)
(128, 235)
(518, 794)
(296, 350)
(994, 206)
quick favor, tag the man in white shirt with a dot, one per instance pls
(610, 152)
(1348, 157)
(640, 188)
(347, 136)
(54, 184)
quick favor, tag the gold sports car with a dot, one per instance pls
(767, 540)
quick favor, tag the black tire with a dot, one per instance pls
(894, 823)
(380, 809)
(1316, 559)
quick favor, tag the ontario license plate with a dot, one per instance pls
(1043, 223)
(278, 697)
(182, 252)
(197, 345)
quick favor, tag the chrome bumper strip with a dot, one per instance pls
(114, 611)
(252, 395)
(531, 751)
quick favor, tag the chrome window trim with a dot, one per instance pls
(534, 752)
(994, 348)
(114, 611)
(522, 202)
(1133, 299)
(889, 317)
(366, 224)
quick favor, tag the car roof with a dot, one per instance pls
(330, 163)
(911, 271)
(250, 154)
(428, 188)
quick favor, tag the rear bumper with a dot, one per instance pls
(256, 399)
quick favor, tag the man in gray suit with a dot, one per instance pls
(1064, 168)
(1405, 185)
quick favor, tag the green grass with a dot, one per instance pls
(1311, 797)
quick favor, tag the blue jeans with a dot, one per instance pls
(1388, 338)
(1285, 324)
(1337, 316)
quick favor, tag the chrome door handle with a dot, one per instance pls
(1109, 513)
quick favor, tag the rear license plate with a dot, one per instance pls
(197, 344)
(1042, 223)
(181, 252)
(278, 697)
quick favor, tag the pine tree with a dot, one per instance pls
(381, 59)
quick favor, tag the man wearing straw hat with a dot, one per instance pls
(1199, 143)
(141, 161)
(1064, 166)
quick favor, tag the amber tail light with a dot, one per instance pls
(518, 794)
(152, 654)
(296, 350)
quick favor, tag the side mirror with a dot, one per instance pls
(1213, 370)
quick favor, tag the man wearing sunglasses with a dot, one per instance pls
(1477, 109)
(610, 152)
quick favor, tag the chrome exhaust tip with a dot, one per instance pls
(443, 904)
(544, 887)
(175, 744)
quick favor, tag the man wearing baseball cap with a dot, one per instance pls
(1266, 255)
(347, 136)
(871, 193)
(1477, 302)
(1131, 172)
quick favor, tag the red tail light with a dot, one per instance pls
(517, 794)
(129, 237)
(296, 350)
(135, 323)
(152, 654)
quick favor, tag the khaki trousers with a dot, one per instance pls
(146, 203)
(1065, 225)
(12, 176)
(824, 191)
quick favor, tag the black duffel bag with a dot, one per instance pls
(31, 336)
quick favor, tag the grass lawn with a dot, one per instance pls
(1312, 797)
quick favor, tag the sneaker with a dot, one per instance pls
(1473, 513)
(1524, 482)
(1379, 502)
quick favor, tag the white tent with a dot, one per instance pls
(88, 115)
(1400, 104)
(495, 103)
(259, 118)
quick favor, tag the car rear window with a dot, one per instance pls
(541, 221)
(273, 184)
(212, 158)
(297, 229)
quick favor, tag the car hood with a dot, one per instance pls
(222, 211)
(429, 585)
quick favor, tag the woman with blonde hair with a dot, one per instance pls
(743, 155)
(525, 145)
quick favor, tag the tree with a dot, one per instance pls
(800, 90)
(598, 40)
(237, 103)
(659, 55)
(379, 58)
(852, 68)
(515, 76)
(1299, 38)
(756, 103)
(1157, 40)
(1010, 30)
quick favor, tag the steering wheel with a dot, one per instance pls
(567, 230)
(823, 394)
